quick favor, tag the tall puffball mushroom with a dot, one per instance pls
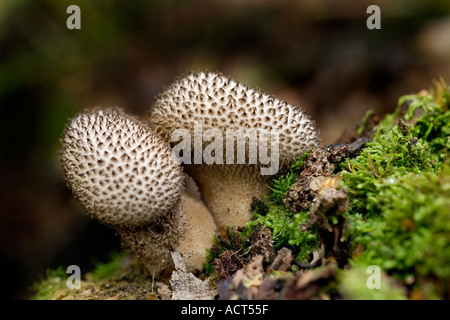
(259, 134)
(126, 177)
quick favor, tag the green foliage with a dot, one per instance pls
(235, 240)
(288, 230)
(399, 187)
(55, 279)
(212, 254)
(104, 270)
(395, 151)
(45, 288)
(413, 234)
(434, 125)
(352, 284)
(391, 155)
(282, 185)
(368, 114)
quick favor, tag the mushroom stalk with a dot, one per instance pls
(153, 243)
(230, 190)
(190, 224)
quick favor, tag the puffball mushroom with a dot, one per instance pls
(222, 110)
(126, 177)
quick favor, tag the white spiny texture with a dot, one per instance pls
(216, 102)
(121, 172)
(125, 176)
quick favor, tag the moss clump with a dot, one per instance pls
(282, 185)
(399, 188)
(54, 280)
(392, 154)
(105, 270)
(429, 114)
(413, 233)
(434, 127)
(105, 280)
(352, 285)
(212, 254)
(289, 230)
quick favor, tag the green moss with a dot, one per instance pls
(412, 236)
(212, 254)
(55, 279)
(368, 114)
(352, 285)
(282, 185)
(235, 240)
(390, 156)
(433, 125)
(395, 151)
(105, 270)
(288, 230)
(46, 288)
(399, 188)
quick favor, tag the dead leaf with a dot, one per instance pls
(185, 286)
(152, 296)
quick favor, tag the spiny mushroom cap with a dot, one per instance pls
(218, 102)
(122, 173)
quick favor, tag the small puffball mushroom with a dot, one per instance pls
(125, 176)
(214, 102)
(122, 173)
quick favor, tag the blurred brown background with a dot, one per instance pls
(317, 54)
